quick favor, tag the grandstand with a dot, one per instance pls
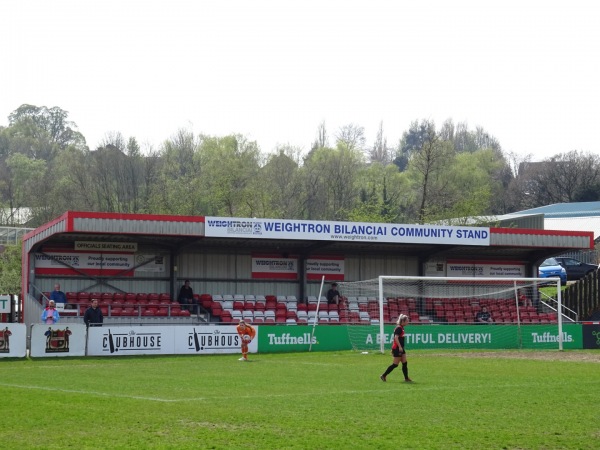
(241, 269)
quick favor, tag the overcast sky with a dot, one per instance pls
(526, 71)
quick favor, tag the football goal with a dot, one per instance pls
(506, 304)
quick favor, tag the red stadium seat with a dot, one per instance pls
(238, 306)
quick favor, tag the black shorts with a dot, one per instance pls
(396, 353)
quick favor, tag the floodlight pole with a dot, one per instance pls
(316, 313)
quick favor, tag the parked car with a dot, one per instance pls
(575, 268)
(550, 268)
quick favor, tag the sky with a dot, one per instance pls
(525, 71)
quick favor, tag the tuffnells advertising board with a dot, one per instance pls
(300, 338)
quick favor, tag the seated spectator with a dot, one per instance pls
(186, 298)
(483, 316)
(524, 300)
(58, 296)
(333, 295)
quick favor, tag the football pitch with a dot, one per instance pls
(316, 400)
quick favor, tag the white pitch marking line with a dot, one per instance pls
(195, 399)
(100, 394)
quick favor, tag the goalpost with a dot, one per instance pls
(453, 301)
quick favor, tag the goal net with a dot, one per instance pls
(503, 304)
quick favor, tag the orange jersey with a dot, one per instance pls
(249, 330)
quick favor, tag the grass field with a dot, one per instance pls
(318, 400)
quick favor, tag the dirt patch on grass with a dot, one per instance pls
(550, 355)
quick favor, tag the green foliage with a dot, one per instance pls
(383, 191)
(305, 400)
(278, 187)
(10, 270)
(229, 165)
(330, 179)
(24, 180)
(435, 175)
(468, 186)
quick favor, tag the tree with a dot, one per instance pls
(10, 269)
(412, 141)
(282, 191)
(22, 181)
(427, 163)
(330, 182)
(48, 127)
(380, 151)
(322, 139)
(351, 137)
(559, 179)
(383, 195)
(177, 186)
(468, 187)
(229, 165)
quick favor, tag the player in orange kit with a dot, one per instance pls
(247, 332)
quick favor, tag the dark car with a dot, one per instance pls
(575, 268)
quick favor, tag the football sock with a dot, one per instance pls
(405, 370)
(389, 369)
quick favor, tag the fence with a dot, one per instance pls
(584, 296)
(586, 256)
(12, 235)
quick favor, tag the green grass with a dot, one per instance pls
(304, 401)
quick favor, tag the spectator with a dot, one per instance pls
(58, 296)
(524, 300)
(50, 315)
(93, 315)
(333, 295)
(483, 316)
(398, 350)
(186, 298)
(246, 333)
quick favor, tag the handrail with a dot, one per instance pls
(574, 313)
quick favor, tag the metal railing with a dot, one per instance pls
(13, 235)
